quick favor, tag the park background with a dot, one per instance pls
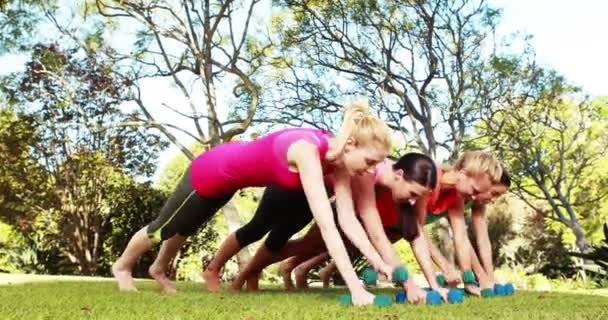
(103, 103)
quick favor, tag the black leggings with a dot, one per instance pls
(282, 213)
(184, 212)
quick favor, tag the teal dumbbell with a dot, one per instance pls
(441, 280)
(400, 274)
(487, 293)
(370, 277)
(468, 277)
(380, 301)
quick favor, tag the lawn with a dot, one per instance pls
(101, 300)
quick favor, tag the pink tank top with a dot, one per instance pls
(229, 167)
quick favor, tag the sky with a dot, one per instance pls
(568, 36)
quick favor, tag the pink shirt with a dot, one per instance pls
(229, 167)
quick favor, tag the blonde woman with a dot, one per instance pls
(292, 159)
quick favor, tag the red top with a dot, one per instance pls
(387, 208)
(439, 201)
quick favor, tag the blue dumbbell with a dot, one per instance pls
(463, 292)
(509, 289)
(433, 298)
(401, 297)
(500, 290)
(455, 296)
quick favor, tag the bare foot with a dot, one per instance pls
(235, 287)
(123, 277)
(301, 278)
(285, 271)
(212, 280)
(473, 290)
(253, 283)
(159, 275)
(325, 277)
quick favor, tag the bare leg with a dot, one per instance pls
(158, 269)
(227, 250)
(290, 264)
(261, 259)
(302, 270)
(253, 282)
(122, 268)
(264, 257)
(285, 270)
(327, 272)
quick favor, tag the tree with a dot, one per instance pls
(417, 59)
(18, 20)
(134, 205)
(552, 141)
(78, 151)
(206, 45)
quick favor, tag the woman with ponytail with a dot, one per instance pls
(293, 159)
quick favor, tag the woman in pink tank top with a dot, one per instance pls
(292, 158)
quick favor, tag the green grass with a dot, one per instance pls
(101, 300)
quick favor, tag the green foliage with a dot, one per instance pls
(411, 58)
(174, 170)
(134, 205)
(73, 149)
(18, 21)
(406, 254)
(543, 250)
(12, 250)
(554, 144)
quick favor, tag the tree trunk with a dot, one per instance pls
(581, 240)
(446, 243)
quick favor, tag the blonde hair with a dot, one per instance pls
(364, 127)
(479, 162)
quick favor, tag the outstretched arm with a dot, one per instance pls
(306, 159)
(480, 223)
(352, 228)
(365, 200)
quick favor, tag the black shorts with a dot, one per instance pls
(184, 212)
(281, 213)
